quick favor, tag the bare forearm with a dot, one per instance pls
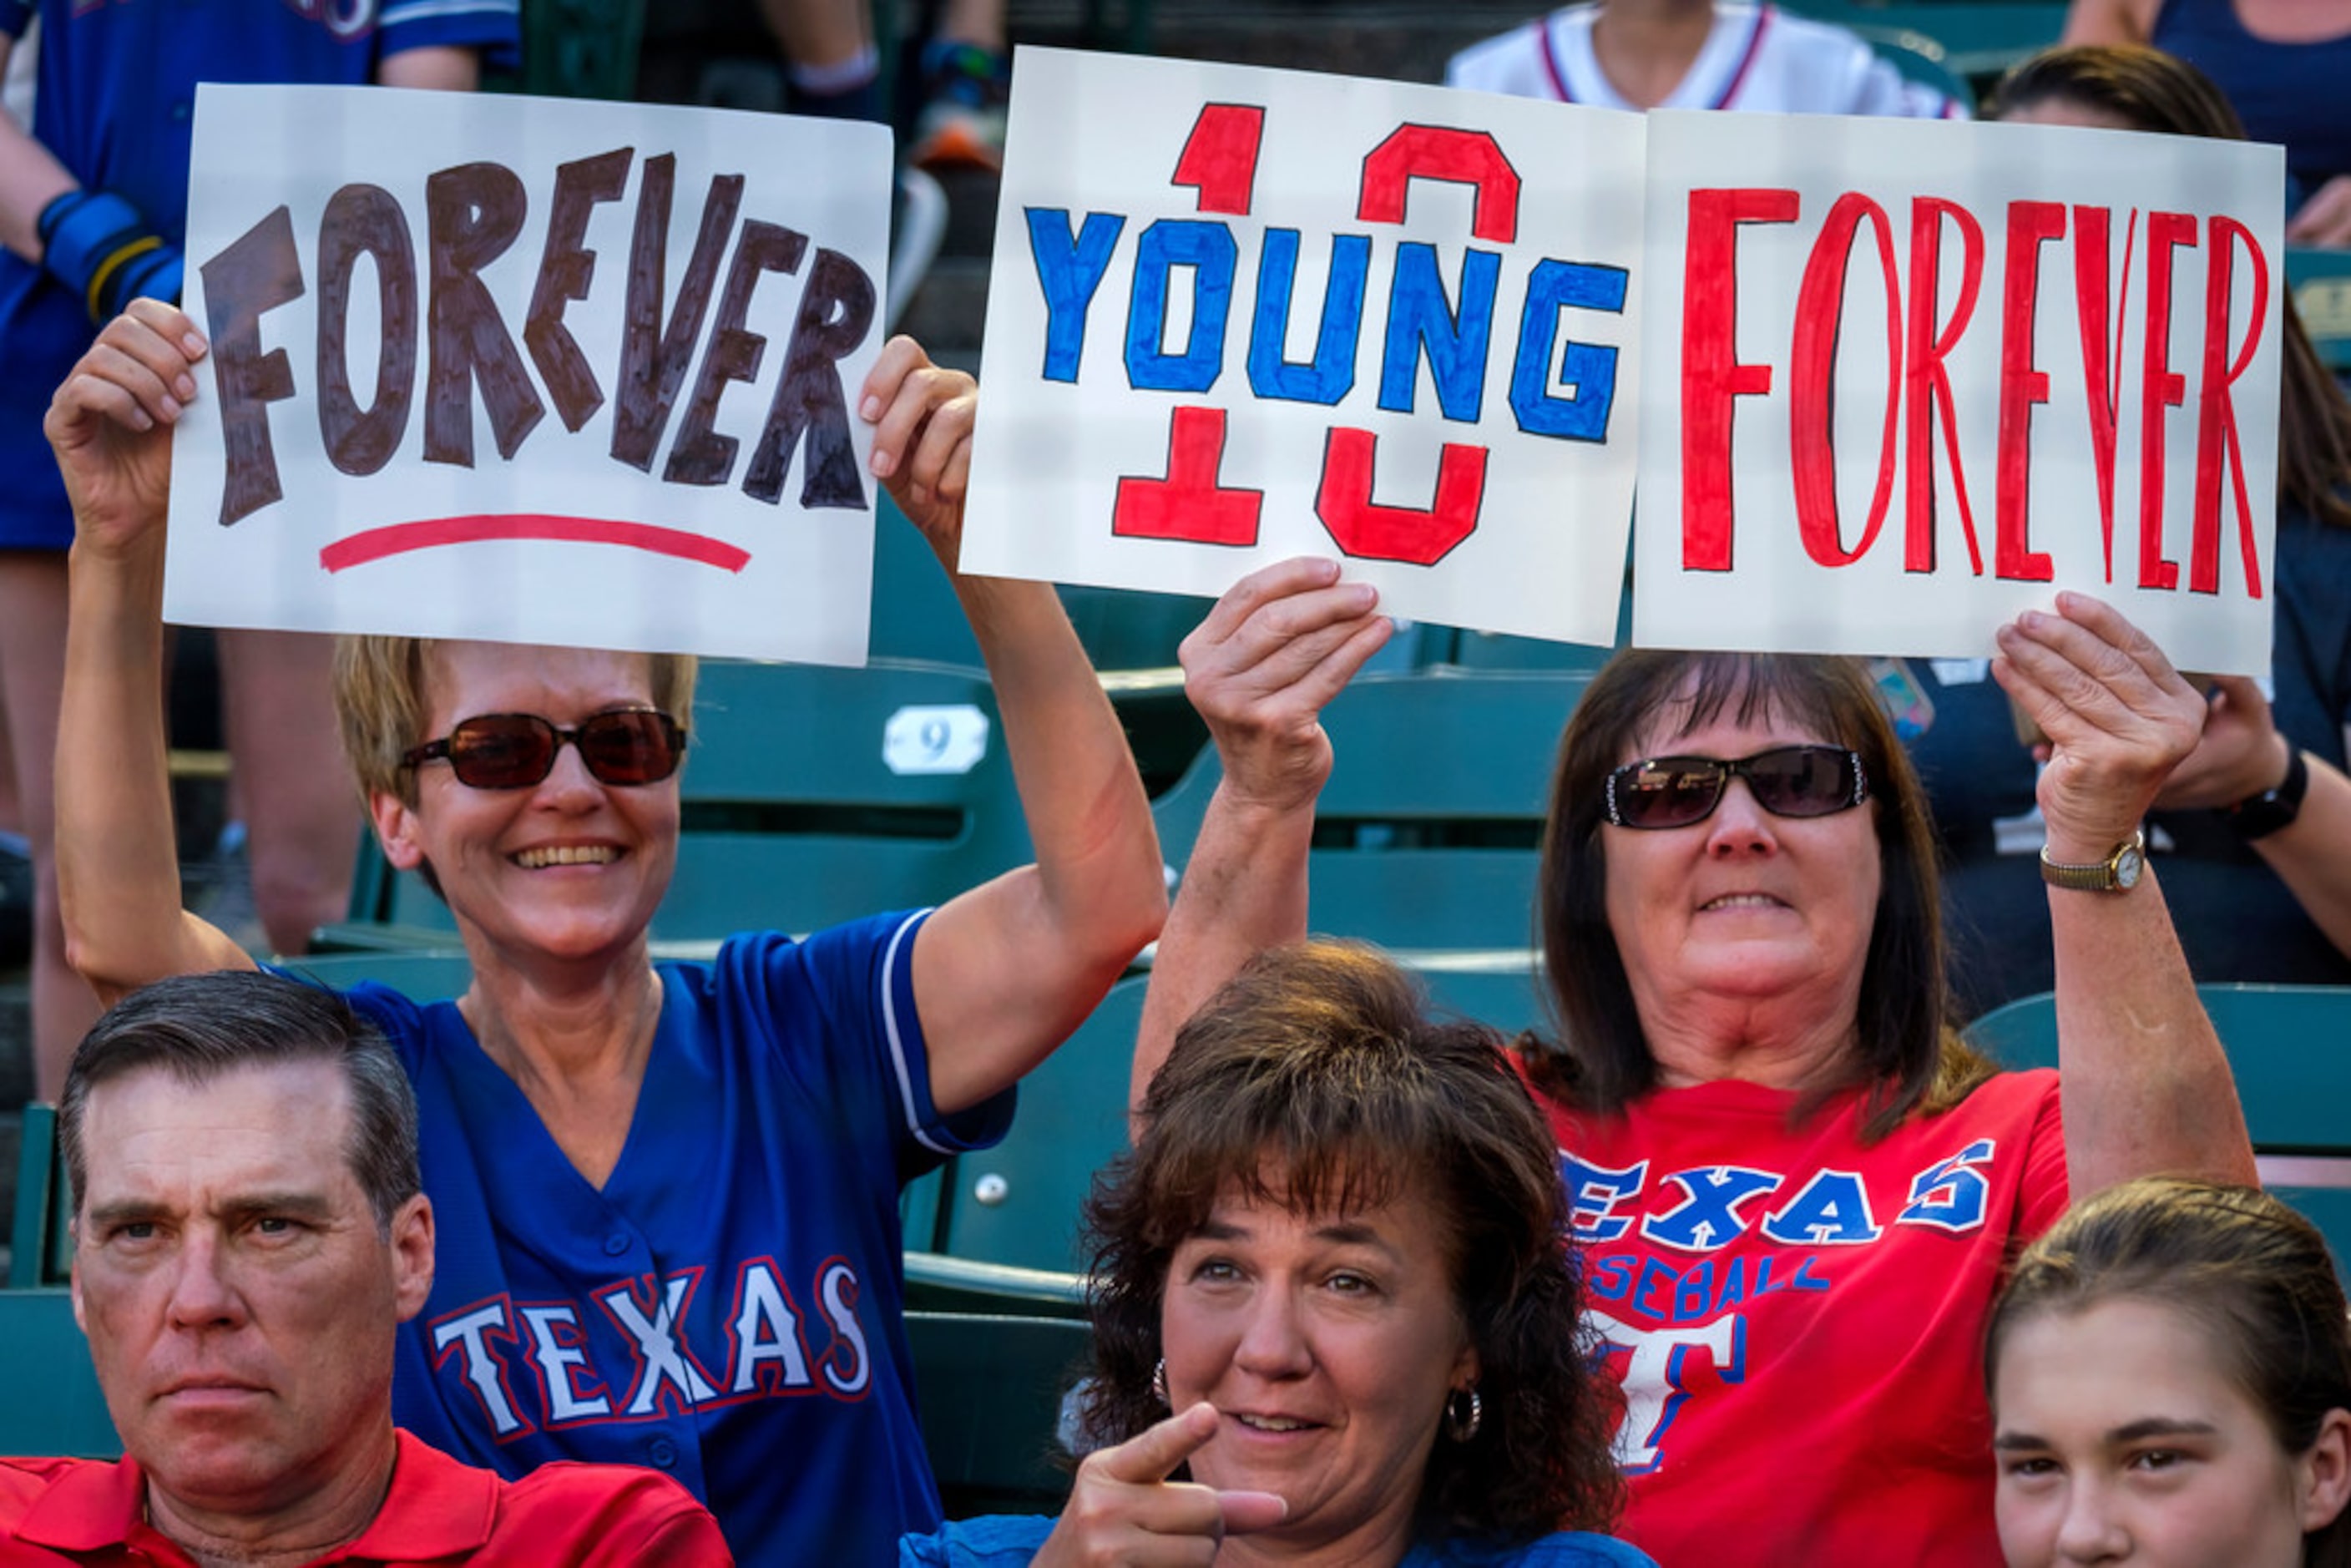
(1089, 819)
(30, 178)
(1243, 890)
(118, 862)
(2146, 1087)
(2311, 854)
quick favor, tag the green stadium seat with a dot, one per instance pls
(1428, 832)
(1979, 38)
(2321, 281)
(41, 1236)
(989, 1392)
(49, 1400)
(2285, 1045)
(1018, 1203)
(939, 1283)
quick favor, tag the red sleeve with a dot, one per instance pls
(2043, 1195)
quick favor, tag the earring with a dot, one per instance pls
(1159, 1382)
(1459, 1424)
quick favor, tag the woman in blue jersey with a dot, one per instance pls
(1334, 1320)
(667, 1196)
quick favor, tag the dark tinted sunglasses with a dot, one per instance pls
(1787, 781)
(517, 750)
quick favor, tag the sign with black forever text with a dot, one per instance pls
(530, 370)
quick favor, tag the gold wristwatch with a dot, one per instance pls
(2119, 872)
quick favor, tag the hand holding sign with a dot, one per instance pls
(2119, 719)
(1276, 648)
(921, 414)
(1123, 1509)
(110, 423)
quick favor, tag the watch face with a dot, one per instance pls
(2128, 862)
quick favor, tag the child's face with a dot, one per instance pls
(2120, 1439)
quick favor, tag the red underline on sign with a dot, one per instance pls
(402, 538)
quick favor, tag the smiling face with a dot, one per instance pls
(239, 1297)
(1329, 1344)
(1744, 909)
(569, 868)
(2121, 1439)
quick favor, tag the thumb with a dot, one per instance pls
(1245, 1511)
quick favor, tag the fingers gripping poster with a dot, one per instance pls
(1904, 385)
(1237, 315)
(530, 371)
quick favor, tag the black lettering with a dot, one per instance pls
(653, 364)
(257, 274)
(472, 213)
(701, 455)
(365, 220)
(565, 271)
(836, 313)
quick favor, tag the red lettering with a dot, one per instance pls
(2216, 414)
(2101, 368)
(1219, 158)
(1711, 375)
(1397, 533)
(1811, 374)
(2029, 226)
(1928, 384)
(1188, 504)
(2160, 389)
(1442, 152)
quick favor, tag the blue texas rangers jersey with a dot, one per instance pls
(727, 1307)
(115, 104)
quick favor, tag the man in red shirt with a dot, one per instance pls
(250, 1231)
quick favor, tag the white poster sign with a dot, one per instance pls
(1238, 315)
(530, 370)
(1908, 379)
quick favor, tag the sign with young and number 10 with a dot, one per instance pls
(531, 370)
(1238, 315)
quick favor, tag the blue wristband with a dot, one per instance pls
(97, 245)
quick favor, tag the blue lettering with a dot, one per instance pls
(1609, 1277)
(1734, 1284)
(1331, 373)
(1708, 1217)
(1420, 322)
(1593, 1190)
(1833, 1210)
(1690, 1295)
(1068, 268)
(1951, 1195)
(1588, 370)
(1805, 1279)
(1208, 249)
(1653, 1293)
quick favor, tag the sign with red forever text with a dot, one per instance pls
(1237, 315)
(530, 370)
(1908, 379)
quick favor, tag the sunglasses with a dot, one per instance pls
(517, 750)
(1787, 781)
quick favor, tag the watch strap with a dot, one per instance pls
(2096, 877)
(2258, 816)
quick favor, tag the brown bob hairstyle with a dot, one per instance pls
(2249, 1272)
(1906, 1050)
(2150, 91)
(1316, 1080)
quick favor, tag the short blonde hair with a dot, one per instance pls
(380, 705)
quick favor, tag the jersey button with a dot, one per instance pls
(662, 1453)
(616, 1243)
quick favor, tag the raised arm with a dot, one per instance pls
(2108, 22)
(1276, 649)
(117, 865)
(1006, 972)
(2242, 757)
(2145, 1087)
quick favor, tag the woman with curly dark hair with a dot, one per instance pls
(1331, 1279)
